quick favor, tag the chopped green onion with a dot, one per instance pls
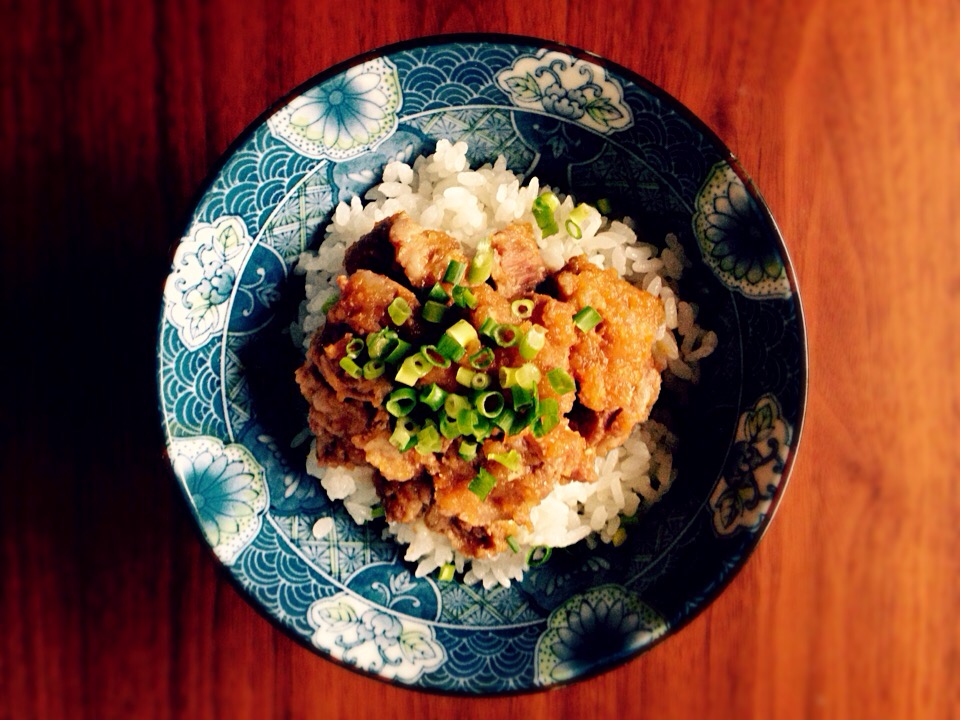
(351, 368)
(463, 297)
(433, 396)
(528, 417)
(377, 511)
(489, 404)
(398, 352)
(377, 344)
(400, 402)
(587, 319)
(464, 333)
(467, 420)
(522, 397)
(513, 544)
(619, 537)
(449, 428)
(505, 420)
(537, 556)
(480, 381)
(543, 208)
(399, 310)
(450, 348)
(510, 459)
(373, 369)
(506, 335)
(468, 450)
(603, 205)
(522, 308)
(438, 293)
(549, 417)
(454, 272)
(488, 326)
(561, 381)
(446, 573)
(329, 303)
(532, 342)
(482, 484)
(482, 359)
(404, 435)
(428, 440)
(573, 230)
(482, 428)
(454, 404)
(465, 375)
(527, 374)
(412, 369)
(355, 347)
(580, 213)
(433, 311)
(507, 377)
(433, 356)
(482, 263)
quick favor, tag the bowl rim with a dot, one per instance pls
(647, 86)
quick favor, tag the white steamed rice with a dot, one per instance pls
(441, 191)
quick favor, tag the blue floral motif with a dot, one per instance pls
(226, 487)
(205, 269)
(392, 646)
(394, 587)
(593, 630)
(568, 87)
(343, 116)
(734, 238)
(742, 496)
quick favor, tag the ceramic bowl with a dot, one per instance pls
(232, 412)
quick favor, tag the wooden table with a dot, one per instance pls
(845, 113)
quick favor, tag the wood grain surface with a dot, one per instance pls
(844, 112)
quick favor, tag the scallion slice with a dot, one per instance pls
(522, 308)
(450, 348)
(482, 484)
(506, 335)
(377, 511)
(433, 396)
(404, 435)
(398, 352)
(522, 397)
(463, 297)
(488, 326)
(480, 381)
(482, 359)
(454, 404)
(438, 293)
(549, 417)
(329, 303)
(468, 450)
(412, 369)
(465, 375)
(587, 319)
(433, 311)
(428, 440)
(467, 420)
(399, 310)
(401, 401)
(355, 347)
(543, 209)
(378, 344)
(489, 404)
(464, 333)
(528, 374)
(505, 420)
(561, 381)
(432, 355)
(373, 369)
(532, 342)
(481, 265)
(537, 556)
(573, 230)
(510, 459)
(446, 572)
(350, 367)
(603, 205)
(454, 272)
(449, 428)
(513, 544)
(507, 377)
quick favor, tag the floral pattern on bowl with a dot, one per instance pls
(568, 87)
(226, 488)
(744, 493)
(732, 235)
(594, 629)
(205, 270)
(234, 419)
(347, 115)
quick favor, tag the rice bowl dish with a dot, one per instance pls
(441, 192)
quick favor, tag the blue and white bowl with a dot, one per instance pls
(231, 409)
